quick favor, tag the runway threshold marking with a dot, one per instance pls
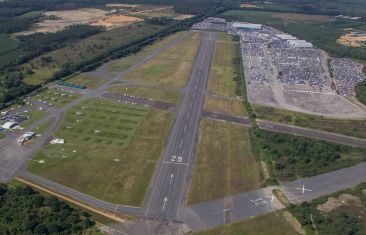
(177, 163)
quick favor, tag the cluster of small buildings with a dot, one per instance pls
(211, 23)
(346, 73)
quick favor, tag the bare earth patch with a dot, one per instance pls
(342, 200)
(113, 21)
(353, 38)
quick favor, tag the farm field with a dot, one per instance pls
(87, 80)
(54, 97)
(224, 163)
(123, 63)
(110, 152)
(224, 105)
(171, 67)
(155, 93)
(274, 223)
(349, 127)
(225, 66)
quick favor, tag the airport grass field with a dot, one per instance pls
(55, 97)
(110, 152)
(155, 93)
(172, 67)
(87, 80)
(224, 164)
(224, 105)
(350, 127)
(225, 67)
(274, 223)
(125, 62)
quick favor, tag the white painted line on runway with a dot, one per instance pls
(177, 163)
(165, 200)
(171, 178)
(181, 143)
(185, 127)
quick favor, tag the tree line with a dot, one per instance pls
(25, 211)
(291, 157)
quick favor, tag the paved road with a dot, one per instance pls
(228, 210)
(316, 134)
(80, 196)
(229, 118)
(258, 202)
(325, 184)
(170, 184)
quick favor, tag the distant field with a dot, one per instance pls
(87, 80)
(97, 44)
(40, 74)
(155, 93)
(172, 67)
(55, 97)
(110, 152)
(224, 164)
(270, 224)
(225, 105)
(350, 127)
(224, 67)
(124, 63)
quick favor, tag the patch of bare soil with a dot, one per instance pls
(343, 200)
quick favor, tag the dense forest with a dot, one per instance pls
(291, 157)
(25, 211)
(347, 219)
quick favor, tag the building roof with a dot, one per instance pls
(9, 125)
(300, 43)
(285, 36)
(247, 26)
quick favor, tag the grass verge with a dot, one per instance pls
(224, 105)
(273, 223)
(356, 128)
(224, 164)
(171, 67)
(225, 67)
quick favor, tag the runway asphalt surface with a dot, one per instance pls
(168, 191)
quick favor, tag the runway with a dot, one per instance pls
(168, 191)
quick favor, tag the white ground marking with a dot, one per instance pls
(171, 178)
(165, 200)
(303, 189)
